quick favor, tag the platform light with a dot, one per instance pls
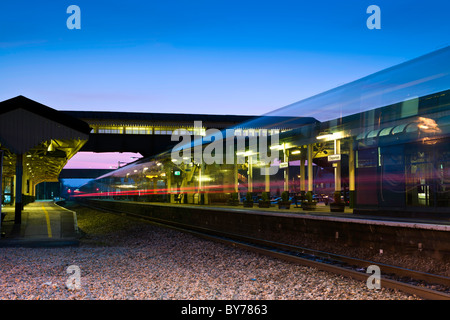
(296, 152)
(281, 146)
(277, 147)
(204, 179)
(330, 136)
(126, 186)
(327, 136)
(245, 153)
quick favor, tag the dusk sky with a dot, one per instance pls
(216, 57)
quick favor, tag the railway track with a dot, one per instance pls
(424, 285)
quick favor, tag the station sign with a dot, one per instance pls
(284, 165)
(334, 158)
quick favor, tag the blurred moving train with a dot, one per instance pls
(386, 151)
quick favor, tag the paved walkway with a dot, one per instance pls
(43, 224)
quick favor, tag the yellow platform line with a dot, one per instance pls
(47, 218)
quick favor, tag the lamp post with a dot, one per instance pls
(250, 154)
(337, 166)
(284, 147)
(335, 137)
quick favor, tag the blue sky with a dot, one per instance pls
(218, 57)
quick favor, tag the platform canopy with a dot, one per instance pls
(45, 137)
(37, 141)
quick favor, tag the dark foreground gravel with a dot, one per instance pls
(122, 258)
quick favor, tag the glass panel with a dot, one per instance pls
(399, 128)
(420, 177)
(112, 130)
(361, 136)
(373, 133)
(367, 158)
(412, 127)
(443, 179)
(385, 131)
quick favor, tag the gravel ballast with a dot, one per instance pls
(122, 258)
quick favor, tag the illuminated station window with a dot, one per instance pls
(110, 130)
(138, 130)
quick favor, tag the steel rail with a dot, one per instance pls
(279, 251)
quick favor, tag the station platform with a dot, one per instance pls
(322, 211)
(44, 224)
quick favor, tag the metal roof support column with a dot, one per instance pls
(337, 166)
(169, 174)
(267, 180)
(351, 173)
(250, 174)
(18, 202)
(310, 167)
(286, 170)
(235, 176)
(302, 172)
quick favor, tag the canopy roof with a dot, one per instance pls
(45, 137)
